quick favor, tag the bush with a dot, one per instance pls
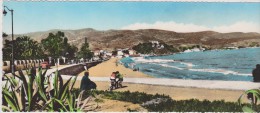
(144, 48)
(169, 105)
(147, 48)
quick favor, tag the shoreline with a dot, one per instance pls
(184, 89)
(137, 77)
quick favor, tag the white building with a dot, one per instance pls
(120, 53)
(132, 52)
(154, 42)
(109, 54)
(96, 52)
(161, 47)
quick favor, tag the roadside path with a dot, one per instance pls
(209, 84)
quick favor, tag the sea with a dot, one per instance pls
(224, 65)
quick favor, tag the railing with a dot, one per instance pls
(21, 64)
(75, 70)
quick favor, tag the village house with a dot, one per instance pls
(120, 52)
(132, 52)
(156, 44)
(97, 52)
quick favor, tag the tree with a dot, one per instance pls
(24, 48)
(144, 48)
(70, 54)
(54, 45)
(7, 50)
(85, 51)
(4, 34)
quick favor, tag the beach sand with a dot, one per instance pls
(106, 68)
(177, 93)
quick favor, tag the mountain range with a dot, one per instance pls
(111, 39)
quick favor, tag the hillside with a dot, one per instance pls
(111, 39)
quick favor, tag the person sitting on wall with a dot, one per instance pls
(86, 83)
(256, 73)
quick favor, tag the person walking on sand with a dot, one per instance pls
(86, 83)
(256, 73)
(120, 79)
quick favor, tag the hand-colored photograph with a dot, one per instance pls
(84, 56)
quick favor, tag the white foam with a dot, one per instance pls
(165, 65)
(225, 72)
(189, 65)
(222, 71)
(143, 60)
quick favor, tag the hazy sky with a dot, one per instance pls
(180, 17)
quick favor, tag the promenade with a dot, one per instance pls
(209, 84)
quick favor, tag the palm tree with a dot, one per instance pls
(24, 47)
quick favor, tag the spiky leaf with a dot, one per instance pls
(61, 103)
(10, 100)
(248, 109)
(64, 90)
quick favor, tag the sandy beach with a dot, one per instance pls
(106, 68)
(176, 92)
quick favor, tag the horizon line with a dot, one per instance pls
(50, 30)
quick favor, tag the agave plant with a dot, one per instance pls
(33, 92)
(79, 104)
(19, 93)
(255, 97)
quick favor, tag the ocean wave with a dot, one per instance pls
(165, 65)
(222, 71)
(189, 66)
(143, 60)
(162, 61)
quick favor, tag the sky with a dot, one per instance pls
(172, 16)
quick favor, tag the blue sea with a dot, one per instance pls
(226, 65)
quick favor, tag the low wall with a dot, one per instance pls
(75, 70)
